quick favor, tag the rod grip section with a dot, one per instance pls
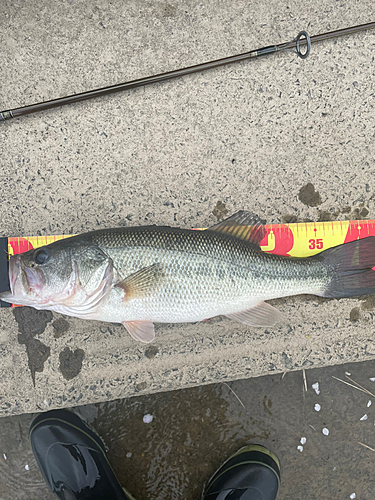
(4, 269)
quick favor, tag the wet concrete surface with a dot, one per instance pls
(31, 323)
(194, 430)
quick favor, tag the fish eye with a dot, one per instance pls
(41, 256)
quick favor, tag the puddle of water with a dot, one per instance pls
(166, 446)
(19, 474)
(163, 458)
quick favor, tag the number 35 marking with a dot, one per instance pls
(313, 244)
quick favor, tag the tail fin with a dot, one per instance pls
(350, 266)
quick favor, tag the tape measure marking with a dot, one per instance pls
(296, 240)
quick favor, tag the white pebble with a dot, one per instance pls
(147, 419)
(316, 388)
(300, 448)
(353, 495)
(129, 454)
(26, 467)
(317, 407)
(365, 417)
(5, 457)
(303, 440)
(369, 404)
(325, 431)
(372, 379)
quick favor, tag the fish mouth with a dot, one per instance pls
(23, 278)
(16, 281)
(34, 278)
(14, 267)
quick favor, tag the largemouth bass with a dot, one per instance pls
(141, 275)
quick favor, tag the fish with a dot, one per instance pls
(143, 275)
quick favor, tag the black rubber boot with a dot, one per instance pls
(72, 458)
(253, 473)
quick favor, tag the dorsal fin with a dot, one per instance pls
(244, 225)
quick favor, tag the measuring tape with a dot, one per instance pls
(295, 240)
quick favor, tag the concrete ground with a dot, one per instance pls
(250, 136)
(288, 139)
(193, 430)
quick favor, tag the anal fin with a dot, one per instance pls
(262, 314)
(142, 331)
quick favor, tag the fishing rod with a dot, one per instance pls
(303, 40)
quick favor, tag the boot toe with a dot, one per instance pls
(252, 473)
(72, 458)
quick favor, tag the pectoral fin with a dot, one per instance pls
(142, 331)
(143, 283)
(261, 315)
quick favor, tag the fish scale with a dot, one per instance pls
(204, 270)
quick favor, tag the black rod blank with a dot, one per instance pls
(302, 40)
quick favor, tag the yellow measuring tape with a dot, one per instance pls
(296, 240)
